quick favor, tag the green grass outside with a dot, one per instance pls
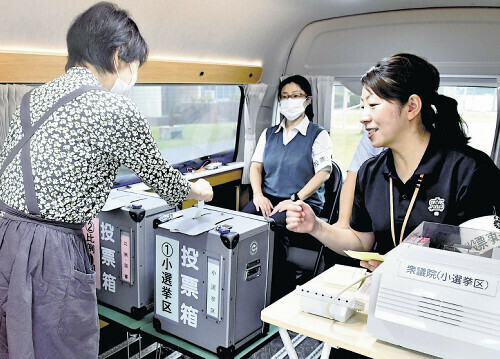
(479, 117)
(197, 134)
(346, 132)
(344, 143)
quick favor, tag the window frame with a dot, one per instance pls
(353, 84)
(131, 178)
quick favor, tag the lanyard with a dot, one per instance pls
(408, 211)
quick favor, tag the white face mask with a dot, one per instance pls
(121, 87)
(292, 108)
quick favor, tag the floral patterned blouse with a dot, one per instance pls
(76, 153)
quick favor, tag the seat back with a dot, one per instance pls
(330, 212)
(306, 252)
(326, 257)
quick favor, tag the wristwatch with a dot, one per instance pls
(295, 197)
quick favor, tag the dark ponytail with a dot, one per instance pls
(448, 125)
(398, 77)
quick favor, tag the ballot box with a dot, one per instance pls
(212, 277)
(438, 292)
(121, 241)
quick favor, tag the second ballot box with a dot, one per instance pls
(121, 241)
(212, 277)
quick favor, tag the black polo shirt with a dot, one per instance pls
(458, 185)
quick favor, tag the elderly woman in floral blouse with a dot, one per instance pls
(63, 151)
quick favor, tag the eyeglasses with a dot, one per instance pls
(293, 96)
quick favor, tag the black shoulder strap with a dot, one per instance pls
(29, 130)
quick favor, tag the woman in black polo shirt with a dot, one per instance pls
(428, 173)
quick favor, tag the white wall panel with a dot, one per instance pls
(463, 42)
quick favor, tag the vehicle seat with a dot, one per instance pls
(306, 253)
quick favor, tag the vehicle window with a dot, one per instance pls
(476, 105)
(190, 123)
(478, 108)
(346, 130)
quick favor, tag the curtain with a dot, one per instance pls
(10, 98)
(322, 87)
(254, 94)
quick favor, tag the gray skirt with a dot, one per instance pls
(48, 304)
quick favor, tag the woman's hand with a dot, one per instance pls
(263, 204)
(280, 207)
(370, 265)
(300, 217)
(373, 264)
(201, 190)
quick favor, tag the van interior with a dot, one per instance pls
(209, 87)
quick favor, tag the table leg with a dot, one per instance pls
(287, 342)
(237, 188)
(325, 354)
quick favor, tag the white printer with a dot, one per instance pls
(438, 292)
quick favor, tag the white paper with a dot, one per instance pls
(191, 226)
(119, 199)
(141, 186)
(201, 204)
(340, 276)
(141, 192)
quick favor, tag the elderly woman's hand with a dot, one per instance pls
(201, 190)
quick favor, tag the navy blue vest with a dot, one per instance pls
(288, 168)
